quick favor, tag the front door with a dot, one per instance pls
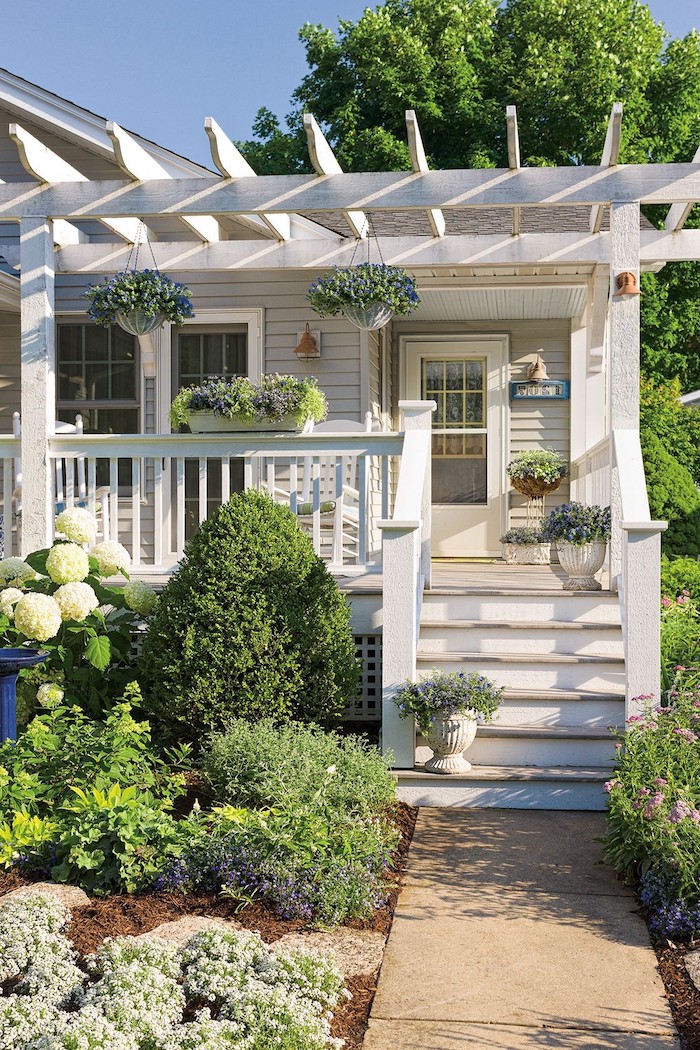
(466, 378)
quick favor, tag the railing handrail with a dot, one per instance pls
(408, 500)
(630, 465)
(104, 446)
(600, 446)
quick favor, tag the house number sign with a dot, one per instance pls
(544, 388)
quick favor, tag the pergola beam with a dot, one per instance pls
(513, 155)
(678, 213)
(233, 165)
(611, 151)
(140, 166)
(324, 162)
(419, 163)
(529, 249)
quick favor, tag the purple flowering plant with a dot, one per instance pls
(270, 400)
(147, 290)
(577, 523)
(363, 285)
(448, 693)
(653, 820)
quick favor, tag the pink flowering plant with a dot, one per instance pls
(653, 825)
(680, 636)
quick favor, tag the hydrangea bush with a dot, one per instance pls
(147, 290)
(448, 693)
(270, 400)
(58, 598)
(363, 285)
(653, 824)
(224, 989)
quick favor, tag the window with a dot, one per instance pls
(98, 377)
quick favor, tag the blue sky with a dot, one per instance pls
(160, 67)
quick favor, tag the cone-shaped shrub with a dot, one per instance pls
(251, 625)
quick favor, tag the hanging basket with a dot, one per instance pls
(534, 488)
(370, 317)
(138, 322)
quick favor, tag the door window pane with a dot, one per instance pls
(458, 386)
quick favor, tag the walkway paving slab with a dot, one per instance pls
(533, 849)
(440, 1035)
(494, 956)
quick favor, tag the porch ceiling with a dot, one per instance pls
(501, 304)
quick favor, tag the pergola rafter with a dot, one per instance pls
(324, 162)
(513, 155)
(679, 212)
(419, 163)
(611, 152)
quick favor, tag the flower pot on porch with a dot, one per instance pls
(370, 317)
(449, 736)
(526, 553)
(138, 322)
(581, 562)
(211, 423)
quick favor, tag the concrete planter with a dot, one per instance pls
(581, 563)
(449, 736)
(526, 553)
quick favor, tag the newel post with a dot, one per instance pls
(642, 598)
(37, 378)
(418, 415)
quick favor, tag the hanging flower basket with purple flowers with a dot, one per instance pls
(368, 294)
(139, 301)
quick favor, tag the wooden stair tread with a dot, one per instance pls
(592, 774)
(518, 658)
(526, 625)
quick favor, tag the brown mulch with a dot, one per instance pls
(682, 994)
(133, 914)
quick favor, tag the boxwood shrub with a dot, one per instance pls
(673, 497)
(251, 625)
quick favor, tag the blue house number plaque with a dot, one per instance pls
(550, 389)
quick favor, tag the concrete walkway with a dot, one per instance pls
(510, 934)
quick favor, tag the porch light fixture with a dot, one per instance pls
(537, 371)
(627, 284)
(309, 345)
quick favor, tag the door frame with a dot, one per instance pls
(456, 344)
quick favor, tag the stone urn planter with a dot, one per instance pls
(581, 562)
(449, 736)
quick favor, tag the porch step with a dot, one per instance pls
(548, 707)
(526, 636)
(534, 671)
(508, 787)
(509, 606)
(517, 746)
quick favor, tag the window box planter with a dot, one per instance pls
(210, 423)
(276, 404)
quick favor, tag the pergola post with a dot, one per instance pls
(37, 378)
(623, 377)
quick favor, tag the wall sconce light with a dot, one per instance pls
(627, 284)
(309, 345)
(537, 372)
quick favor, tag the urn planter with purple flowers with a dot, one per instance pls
(277, 403)
(581, 533)
(447, 707)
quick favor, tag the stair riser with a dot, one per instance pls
(514, 640)
(592, 713)
(534, 677)
(489, 751)
(591, 608)
(451, 793)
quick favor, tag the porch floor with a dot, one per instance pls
(477, 577)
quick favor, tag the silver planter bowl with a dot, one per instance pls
(376, 315)
(138, 322)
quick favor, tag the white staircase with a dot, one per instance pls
(559, 655)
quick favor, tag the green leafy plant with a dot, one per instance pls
(146, 290)
(673, 497)
(270, 400)
(448, 693)
(678, 575)
(363, 285)
(577, 523)
(251, 625)
(540, 464)
(680, 636)
(263, 765)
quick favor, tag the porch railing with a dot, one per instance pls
(590, 475)
(152, 491)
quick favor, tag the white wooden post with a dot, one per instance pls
(38, 379)
(399, 635)
(624, 352)
(417, 415)
(643, 603)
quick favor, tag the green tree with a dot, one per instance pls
(675, 425)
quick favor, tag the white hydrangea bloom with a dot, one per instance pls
(140, 597)
(77, 524)
(49, 694)
(38, 616)
(14, 571)
(8, 599)
(111, 557)
(67, 563)
(76, 600)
